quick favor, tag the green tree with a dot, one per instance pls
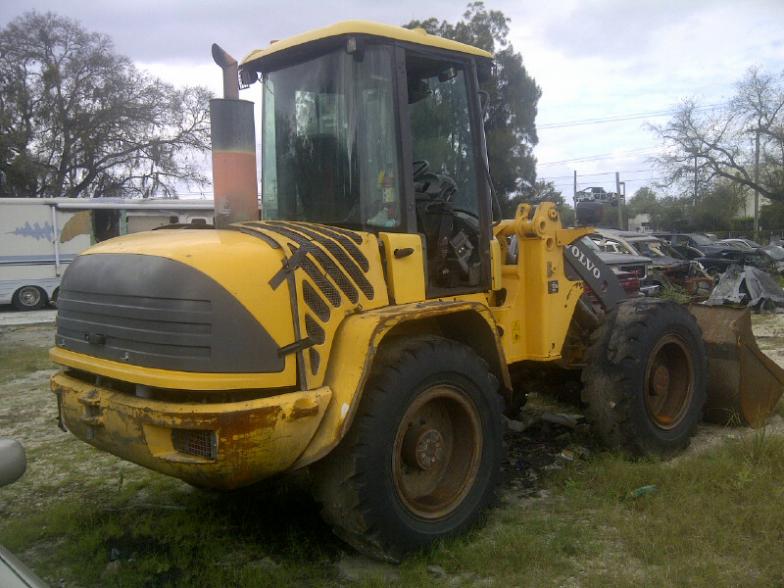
(76, 119)
(644, 201)
(672, 214)
(717, 207)
(772, 216)
(510, 127)
(539, 191)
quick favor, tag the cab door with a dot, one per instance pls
(444, 142)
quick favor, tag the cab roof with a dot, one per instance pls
(363, 27)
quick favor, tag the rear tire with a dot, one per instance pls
(644, 384)
(29, 298)
(422, 458)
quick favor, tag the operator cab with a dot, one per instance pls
(378, 128)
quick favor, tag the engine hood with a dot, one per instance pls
(182, 300)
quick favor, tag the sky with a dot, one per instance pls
(627, 61)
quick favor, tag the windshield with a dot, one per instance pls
(656, 249)
(329, 153)
(591, 245)
(701, 240)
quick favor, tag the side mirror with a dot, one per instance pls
(13, 462)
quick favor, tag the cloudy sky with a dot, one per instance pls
(626, 61)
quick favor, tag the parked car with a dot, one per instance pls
(668, 266)
(595, 193)
(631, 270)
(744, 244)
(718, 262)
(630, 243)
(699, 241)
(13, 573)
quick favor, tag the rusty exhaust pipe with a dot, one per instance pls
(233, 132)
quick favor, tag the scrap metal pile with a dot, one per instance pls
(694, 267)
(747, 286)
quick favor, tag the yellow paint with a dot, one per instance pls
(528, 310)
(240, 263)
(406, 275)
(171, 379)
(255, 438)
(497, 262)
(533, 322)
(369, 247)
(352, 358)
(362, 27)
(534, 319)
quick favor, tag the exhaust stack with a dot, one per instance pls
(233, 134)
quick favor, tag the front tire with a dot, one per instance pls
(421, 460)
(29, 298)
(644, 383)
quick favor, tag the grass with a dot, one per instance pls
(80, 517)
(20, 359)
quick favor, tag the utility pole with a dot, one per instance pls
(620, 202)
(574, 196)
(756, 183)
(695, 178)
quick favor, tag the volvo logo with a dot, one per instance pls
(585, 261)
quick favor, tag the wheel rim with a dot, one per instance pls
(669, 382)
(437, 451)
(30, 296)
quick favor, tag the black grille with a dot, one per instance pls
(173, 328)
(347, 244)
(315, 360)
(334, 272)
(315, 332)
(158, 313)
(315, 302)
(338, 253)
(195, 442)
(321, 282)
(356, 237)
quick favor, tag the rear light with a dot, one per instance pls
(631, 284)
(635, 270)
(196, 442)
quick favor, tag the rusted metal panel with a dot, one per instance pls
(233, 161)
(253, 439)
(744, 385)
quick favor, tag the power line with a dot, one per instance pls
(620, 117)
(630, 171)
(601, 156)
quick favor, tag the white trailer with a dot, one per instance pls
(39, 237)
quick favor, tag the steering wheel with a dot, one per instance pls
(420, 167)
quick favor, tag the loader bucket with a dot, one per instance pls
(744, 385)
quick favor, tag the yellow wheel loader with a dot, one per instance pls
(378, 317)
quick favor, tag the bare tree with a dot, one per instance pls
(721, 143)
(76, 119)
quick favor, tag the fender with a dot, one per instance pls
(362, 335)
